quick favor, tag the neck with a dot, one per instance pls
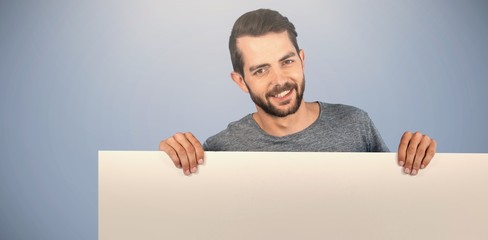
(306, 114)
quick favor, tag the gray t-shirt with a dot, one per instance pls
(339, 128)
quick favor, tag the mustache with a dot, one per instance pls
(281, 88)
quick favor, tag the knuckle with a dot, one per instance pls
(416, 165)
(190, 150)
(406, 136)
(418, 135)
(196, 142)
(408, 164)
(180, 151)
(417, 162)
(200, 153)
(171, 140)
(178, 135)
(421, 151)
(162, 145)
(404, 141)
(411, 150)
(168, 150)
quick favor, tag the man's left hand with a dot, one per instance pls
(415, 152)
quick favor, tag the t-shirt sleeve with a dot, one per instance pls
(207, 146)
(213, 143)
(376, 141)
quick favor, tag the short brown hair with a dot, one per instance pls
(257, 23)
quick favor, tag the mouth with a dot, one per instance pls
(283, 98)
(282, 94)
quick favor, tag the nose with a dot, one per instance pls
(278, 77)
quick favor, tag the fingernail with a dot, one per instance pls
(178, 166)
(194, 169)
(414, 172)
(200, 161)
(187, 172)
(401, 163)
(422, 166)
(407, 170)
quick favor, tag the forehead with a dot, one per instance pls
(264, 49)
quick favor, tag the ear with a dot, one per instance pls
(239, 80)
(302, 56)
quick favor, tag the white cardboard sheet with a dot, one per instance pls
(250, 195)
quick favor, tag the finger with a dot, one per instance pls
(181, 153)
(429, 155)
(171, 152)
(190, 153)
(199, 153)
(402, 148)
(411, 152)
(419, 156)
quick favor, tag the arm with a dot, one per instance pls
(415, 152)
(185, 151)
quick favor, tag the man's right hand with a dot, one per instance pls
(185, 151)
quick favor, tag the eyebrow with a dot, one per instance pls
(289, 55)
(252, 68)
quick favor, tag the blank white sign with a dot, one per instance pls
(249, 195)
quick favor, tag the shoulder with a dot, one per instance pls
(232, 134)
(353, 126)
(342, 112)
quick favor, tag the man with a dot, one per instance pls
(269, 65)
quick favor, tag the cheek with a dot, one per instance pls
(259, 89)
(294, 70)
(296, 74)
(258, 86)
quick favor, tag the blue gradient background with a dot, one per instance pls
(82, 76)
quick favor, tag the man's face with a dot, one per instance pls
(273, 73)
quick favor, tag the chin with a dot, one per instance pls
(285, 112)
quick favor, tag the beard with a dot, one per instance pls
(269, 108)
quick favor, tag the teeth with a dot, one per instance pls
(282, 94)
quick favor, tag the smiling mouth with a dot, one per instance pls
(282, 94)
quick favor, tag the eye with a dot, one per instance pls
(259, 72)
(288, 62)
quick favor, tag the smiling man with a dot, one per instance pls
(269, 65)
